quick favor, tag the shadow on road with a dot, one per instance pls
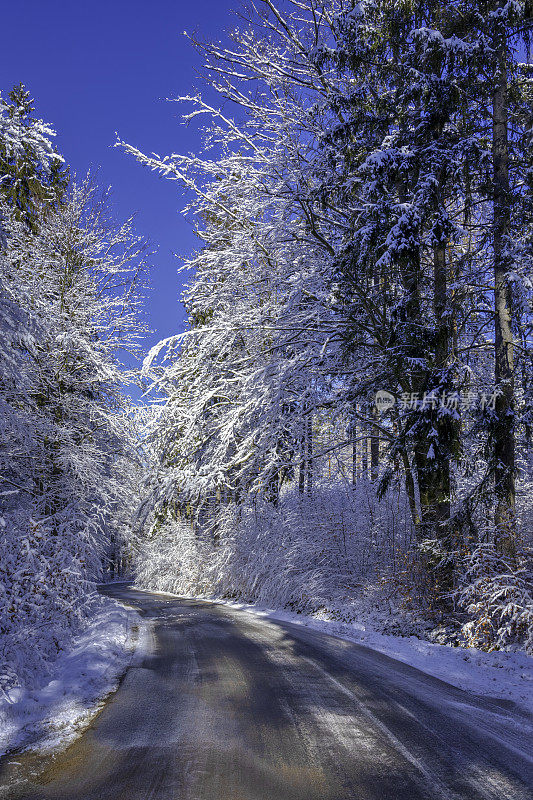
(232, 707)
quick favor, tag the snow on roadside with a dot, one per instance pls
(77, 684)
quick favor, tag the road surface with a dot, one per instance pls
(229, 706)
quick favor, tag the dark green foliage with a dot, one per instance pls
(32, 172)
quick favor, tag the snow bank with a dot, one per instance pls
(77, 683)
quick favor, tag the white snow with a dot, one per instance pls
(77, 684)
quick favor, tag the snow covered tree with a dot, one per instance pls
(32, 172)
(69, 309)
(412, 151)
(350, 207)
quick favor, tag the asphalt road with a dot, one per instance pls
(229, 706)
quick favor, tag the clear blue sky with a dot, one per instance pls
(97, 67)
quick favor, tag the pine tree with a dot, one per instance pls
(33, 172)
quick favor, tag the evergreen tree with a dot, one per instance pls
(33, 172)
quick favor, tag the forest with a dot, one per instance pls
(343, 429)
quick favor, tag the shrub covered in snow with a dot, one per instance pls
(326, 553)
(498, 595)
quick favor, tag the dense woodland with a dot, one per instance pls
(363, 201)
(362, 195)
(70, 286)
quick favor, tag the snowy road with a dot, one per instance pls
(232, 707)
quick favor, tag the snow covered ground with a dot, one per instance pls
(503, 675)
(77, 684)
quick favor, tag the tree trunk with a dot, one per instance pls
(354, 451)
(410, 491)
(442, 351)
(504, 427)
(273, 486)
(374, 449)
(301, 477)
(309, 454)
(303, 462)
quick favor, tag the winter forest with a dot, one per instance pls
(343, 428)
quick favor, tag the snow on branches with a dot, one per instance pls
(354, 239)
(69, 301)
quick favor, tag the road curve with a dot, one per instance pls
(230, 706)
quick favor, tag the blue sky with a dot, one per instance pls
(97, 67)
